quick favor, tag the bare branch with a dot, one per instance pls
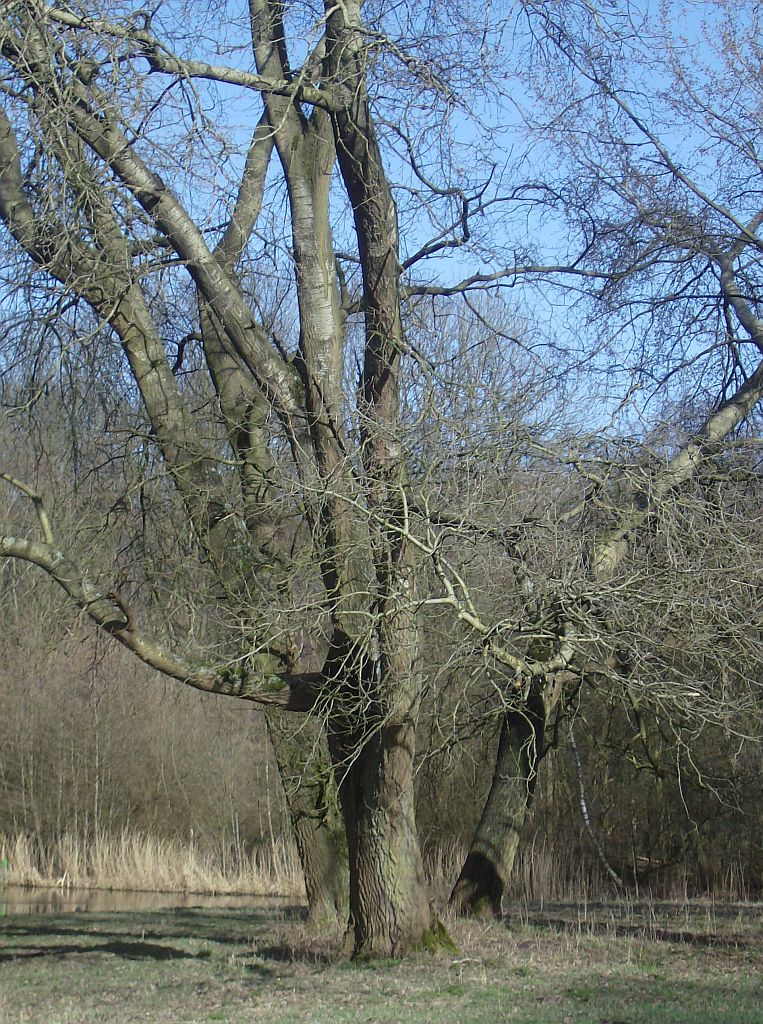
(161, 60)
(261, 683)
(39, 506)
(611, 547)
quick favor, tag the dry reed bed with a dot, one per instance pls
(139, 862)
(136, 861)
(544, 872)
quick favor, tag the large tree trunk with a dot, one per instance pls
(481, 884)
(390, 914)
(373, 743)
(308, 781)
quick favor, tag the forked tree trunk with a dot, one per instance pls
(307, 777)
(481, 884)
(390, 914)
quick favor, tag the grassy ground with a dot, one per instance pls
(605, 963)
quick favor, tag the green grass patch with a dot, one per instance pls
(607, 965)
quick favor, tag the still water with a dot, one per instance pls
(16, 899)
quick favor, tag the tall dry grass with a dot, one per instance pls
(541, 872)
(134, 861)
(545, 872)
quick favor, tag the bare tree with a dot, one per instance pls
(265, 301)
(655, 144)
(293, 486)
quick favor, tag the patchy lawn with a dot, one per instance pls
(603, 963)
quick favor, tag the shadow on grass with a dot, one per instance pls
(648, 932)
(147, 936)
(129, 950)
(314, 951)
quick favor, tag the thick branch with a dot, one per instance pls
(161, 60)
(37, 501)
(249, 198)
(100, 131)
(259, 683)
(611, 547)
(103, 278)
(732, 293)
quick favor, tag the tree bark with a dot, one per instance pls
(481, 884)
(373, 743)
(390, 913)
(313, 808)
